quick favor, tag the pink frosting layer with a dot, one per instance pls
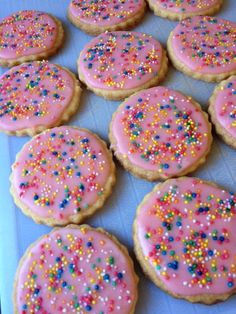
(105, 13)
(120, 60)
(205, 44)
(75, 271)
(185, 6)
(34, 94)
(186, 230)
(160, 129)
(26, 33)
(61, 172)
(225, 106)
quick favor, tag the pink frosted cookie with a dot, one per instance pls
(184, 235)
(223, 110)
(62, 175)
(77, 269)
(204, 47)
(181, 9)
(115, 65)
(96, 17)
(36, 96)
(160, 133)
(29, 35)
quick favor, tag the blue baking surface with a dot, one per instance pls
(17, 231)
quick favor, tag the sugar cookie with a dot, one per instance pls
(115, 65)
(36, 96)
(160, 133)
(223, 110)
(31, 35)
(179, 10)
(96, 17)
(62, 175)
(77, 269)
(184, 235)
(204, 47)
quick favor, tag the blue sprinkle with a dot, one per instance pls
(106, 277)
(36, 291)
(210, 253)
(96, 287)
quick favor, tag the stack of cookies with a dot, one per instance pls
(184, 229)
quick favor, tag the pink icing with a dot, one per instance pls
(225, 106)
(34, 94)
(185, 6)
(205, 44)
(75, 271)
(186, 230)
(160, 129)
(61, 172)
(105, 13)
(120, 60)
(26, 33)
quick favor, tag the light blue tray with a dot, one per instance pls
(17, 232)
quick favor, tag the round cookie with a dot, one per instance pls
(160, 133)
(115, 65)
(62, 175)
(96, 17)
(179, 10)
(204, 47)
(31, 35)
(76, 269)
(223, 110)
(36, 96)
(184, 235)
